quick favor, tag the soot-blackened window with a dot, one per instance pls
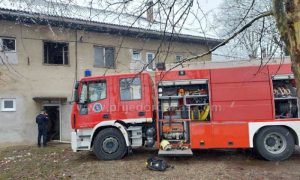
(7, 44)
(56, 53)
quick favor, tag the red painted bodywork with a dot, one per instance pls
(237, 96)
(112, 105)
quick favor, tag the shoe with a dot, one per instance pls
(39, 145)
(45, 145)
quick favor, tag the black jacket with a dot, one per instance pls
(42, 121)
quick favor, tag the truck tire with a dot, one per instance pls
(274, 143)
(109, 144)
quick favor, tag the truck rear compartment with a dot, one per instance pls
(285, 97)
(179, 104)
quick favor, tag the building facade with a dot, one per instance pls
(42, 56)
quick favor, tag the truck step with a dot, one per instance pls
(83, 147)
(84, 136)
(175, 152)
(136, 137)
(134, 128)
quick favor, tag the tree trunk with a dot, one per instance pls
(287, 14)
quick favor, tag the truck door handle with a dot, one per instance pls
(141, 113)
(105, 116)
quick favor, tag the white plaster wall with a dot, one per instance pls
(27, 77)
(65, 122)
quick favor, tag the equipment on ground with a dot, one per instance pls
(157, 164)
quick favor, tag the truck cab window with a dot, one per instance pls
(97, 91)
(130, 89)
(83, 95)
(93, 91)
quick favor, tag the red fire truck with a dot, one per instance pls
(182, 110)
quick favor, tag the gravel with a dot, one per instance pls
(57, 161)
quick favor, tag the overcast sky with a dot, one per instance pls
(191, 26)
(207, 4)
(199, 23)
(210, 8)
(210, 4)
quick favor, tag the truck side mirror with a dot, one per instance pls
(76, 95)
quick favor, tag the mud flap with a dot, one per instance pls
(74, 142)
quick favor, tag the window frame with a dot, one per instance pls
(60, 42)
(88, 90)
(140, 90)
(140, 55)
(14, 108)
(87, 83)
(12, 38)
(181, 58)
(104, 48)
(153, 62)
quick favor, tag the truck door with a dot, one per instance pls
(131, 96)
(94, 105)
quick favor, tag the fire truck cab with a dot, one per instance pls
(111, 113)
(241, 107)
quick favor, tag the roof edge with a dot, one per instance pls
(72, 23)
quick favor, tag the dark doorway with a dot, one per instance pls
(54, 122)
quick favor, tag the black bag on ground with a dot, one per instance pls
(157, 164)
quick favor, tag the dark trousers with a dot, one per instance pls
(42, 132)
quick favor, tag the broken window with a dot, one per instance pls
(104, 57)
(56, 53)
(7, 44)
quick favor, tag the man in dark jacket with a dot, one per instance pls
(42, 121)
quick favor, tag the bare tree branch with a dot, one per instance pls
(225, 41)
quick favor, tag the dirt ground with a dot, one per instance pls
(57, 161)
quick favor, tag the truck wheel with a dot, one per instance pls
(109, 144)
(275, 143)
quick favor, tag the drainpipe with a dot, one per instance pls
(76, 69)
(76, 63)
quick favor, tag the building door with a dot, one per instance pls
(54, 121)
